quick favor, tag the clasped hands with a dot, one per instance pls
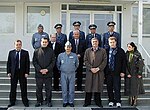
(44, 71)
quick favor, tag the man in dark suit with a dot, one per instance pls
(18, 66)
(115, 69)
(57, 48)
(111, 32)
(76, 25)
(43, 61)
(78, 47)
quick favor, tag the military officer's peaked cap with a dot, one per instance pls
(77, 23)
(92, 26)
(111, 23)
(58, 26)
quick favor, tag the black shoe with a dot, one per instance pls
(71, 105)
(11, 104)
(64, 104)
(49, 104)
(38, 104)
(85, 105)
(26, 105)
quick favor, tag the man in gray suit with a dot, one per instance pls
(43, 61)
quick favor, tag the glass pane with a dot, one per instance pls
(134, 20)
(92, 7)
(64, 7)
(38, 15)
(119, 8)
(7, 19)
(101, 21)
(63, 21)
(83, 18)
(146, 20)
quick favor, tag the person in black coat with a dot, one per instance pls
(57, 48)
(78, 47)
(115, 69)
(43, 61)
(18, 66)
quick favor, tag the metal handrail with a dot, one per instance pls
(145, 51)
(147, 68)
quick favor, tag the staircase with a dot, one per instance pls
(143, 100)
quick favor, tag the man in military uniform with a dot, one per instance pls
(60, 37)
(76, 25)
(91, 35)
(67, 63)
(111, 32)
(36, 38)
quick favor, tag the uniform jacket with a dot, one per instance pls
(61, 39)
(107, 35)
(67, 63)
(36, 39)
(89, 37)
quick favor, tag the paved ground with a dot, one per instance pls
(69, 108)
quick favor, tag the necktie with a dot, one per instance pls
(76, 43)
(17, 60)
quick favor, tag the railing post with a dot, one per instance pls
(140, 24)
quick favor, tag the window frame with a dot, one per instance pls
(11, 5)
(136, 34)
(26, 16)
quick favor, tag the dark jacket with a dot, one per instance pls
(134, 85)
(120, 62)
(57, 50)
(43, 58)
(81, 47)
(24, 62)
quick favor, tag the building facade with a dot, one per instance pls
(19, 19)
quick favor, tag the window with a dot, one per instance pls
(38, 15)
(101, 21)
(63, 21)
(83, 18)
(7, 19)
(146, 20)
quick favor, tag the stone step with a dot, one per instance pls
(78, 102)
(58, 94)
(33, 86)
(31, 80)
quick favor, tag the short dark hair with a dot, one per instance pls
(44, 39)
(18, 41)
(112, 38)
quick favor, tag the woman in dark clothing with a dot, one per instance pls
(133, 80)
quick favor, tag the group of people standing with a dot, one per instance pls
(57, 57)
